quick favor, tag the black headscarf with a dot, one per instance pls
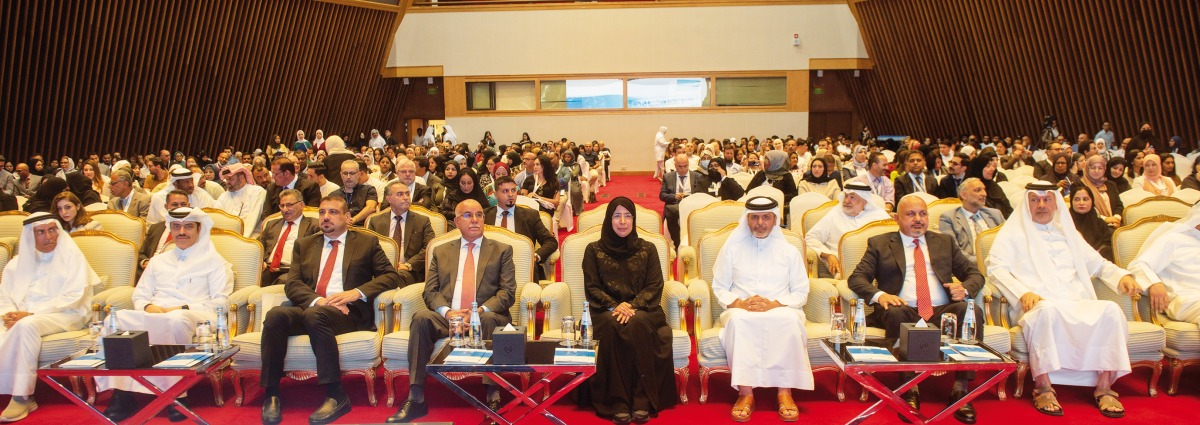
(825, 176)
(1121, 182)
(81, 186)
(612, 244)
(979, 163)
(1094, 230)
(41, 199)
(455, 193)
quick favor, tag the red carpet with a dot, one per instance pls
(816, 407)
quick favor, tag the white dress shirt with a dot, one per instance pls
(512, 213)
(462, 260)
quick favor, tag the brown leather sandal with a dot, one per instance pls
(1043, 401)
(742, 408)
(788, 412)
(1107, 400)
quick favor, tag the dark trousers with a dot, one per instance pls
(891, 319)
(428, 327)
(671, 216)
(271, 278)
(321, 324)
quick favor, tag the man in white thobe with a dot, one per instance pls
(178, 288)
(1045, 267)
(661, 143)
(243, 199)
(182, 179)
(1166, 268)
(46, 289)
(858, 207)
(759, 277)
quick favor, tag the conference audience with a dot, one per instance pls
(983, 167)
(676, 185)
(360, 198)
(1152, 180)
(858, 208)
(71, 215)
(820, 179)
(412, 232)
(877, 179)
(279, 236)
(966, 222)
(1095, 230)
(1107, 197)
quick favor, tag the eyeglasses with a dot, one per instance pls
(471, 216)
(283, 205)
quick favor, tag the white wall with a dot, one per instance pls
(631, 137)
(624, 40)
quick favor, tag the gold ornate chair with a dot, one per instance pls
(224, 220)
(939, 207)
(1157, 205)
(122, 224)
(11, 223)
(701, 222)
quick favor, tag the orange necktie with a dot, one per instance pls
(924, 304)
(468, 278)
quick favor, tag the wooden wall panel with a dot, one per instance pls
(141, 75)
(951, 67)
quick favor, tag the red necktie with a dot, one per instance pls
(327, 271)
(398, 234)
(924, 304)
(504, 220)
(468, 278)
(277, 256)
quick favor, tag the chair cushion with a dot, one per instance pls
(357, 350)
(1146, 341)
(1183, 336)
(58, 346)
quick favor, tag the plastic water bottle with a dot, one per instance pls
(114, 326)
(476, 327)
(222, 334)
(203, 336)
(585, 326)
(860, 322)
(968, 326)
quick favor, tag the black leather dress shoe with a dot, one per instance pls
(409, 411)
(272, 412)
(120, 406)
(331, 409)
(913, 398)
(966, 413)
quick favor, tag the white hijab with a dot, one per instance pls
(449, 137)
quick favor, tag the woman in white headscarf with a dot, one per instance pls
(1152, 179)
(448, 135)
(660, 151)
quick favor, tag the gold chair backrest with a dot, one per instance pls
(1127, 240)
(109, 256)
(436, 220)
(983, 246)
(390, 248)
(1158, 205)
(939, 207)
(853, 245)
(6, 253)
(711, 218)
(244, 254)
(224, 220)
(810, 218)
(122, 224)
(11, 223)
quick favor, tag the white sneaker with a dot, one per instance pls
(18, 410)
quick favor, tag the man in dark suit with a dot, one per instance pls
(485, 275)
(431, 179)
(279, 236)
(411, 231)
(523, 221)
(157, 235)
(915, 179)
(283, 172)
(27, 182)
(956, 173)
(1044, 166)
(333, 281)
(675, 187)
(406, 172)
(914, 271)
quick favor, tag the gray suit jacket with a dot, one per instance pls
(139, 204)
(495, 276)
(417, 233)
(954, 224)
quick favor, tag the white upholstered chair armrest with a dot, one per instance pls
(528, 300)
(701, 299)
(406, 303)
(239, 303)
(822, 296)
(675, 299)
(382, 304)
(120, 297)
(556, 298)
(691, 268)
(846, 295)
(810, 262)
